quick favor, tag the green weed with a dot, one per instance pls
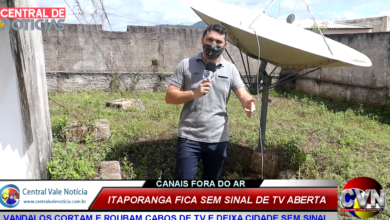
(317, 137)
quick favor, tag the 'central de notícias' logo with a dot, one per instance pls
(363, 198)
(10, 196)
(32, 24)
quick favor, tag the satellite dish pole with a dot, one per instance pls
(267, 79)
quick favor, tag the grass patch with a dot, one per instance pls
(316, 137)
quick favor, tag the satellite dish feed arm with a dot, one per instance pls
(318, 28)
(269, 5)
(247, 22)
(242, 78)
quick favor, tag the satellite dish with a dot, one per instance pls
(281, 44)
(290, 19)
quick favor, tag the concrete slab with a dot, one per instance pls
(99, 130)
(110, 170)
(286, 175)
(76, 132)
(270, 162)
(123, 103)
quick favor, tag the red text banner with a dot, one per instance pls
(216, 199)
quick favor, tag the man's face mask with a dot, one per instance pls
(212, 51)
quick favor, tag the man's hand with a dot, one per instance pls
(249, 107)
(203, 88)
(247, 101)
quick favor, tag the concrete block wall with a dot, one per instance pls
(82, 57)
(83, 81)
(358, 84)
(87, 48)
(379, 24)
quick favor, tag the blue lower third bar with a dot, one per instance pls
(171, 215)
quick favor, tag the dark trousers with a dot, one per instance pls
(188, 154)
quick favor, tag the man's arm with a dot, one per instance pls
(176, 96)
(247, 101)
(245, 98)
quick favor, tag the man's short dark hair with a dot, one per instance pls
(217, 28)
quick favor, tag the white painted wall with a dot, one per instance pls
(25, 130)
(12, 156)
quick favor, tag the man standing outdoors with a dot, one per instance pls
(203, 121)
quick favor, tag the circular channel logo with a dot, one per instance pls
(10, 196)
(363, 198)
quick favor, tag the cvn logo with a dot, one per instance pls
(363, 197)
